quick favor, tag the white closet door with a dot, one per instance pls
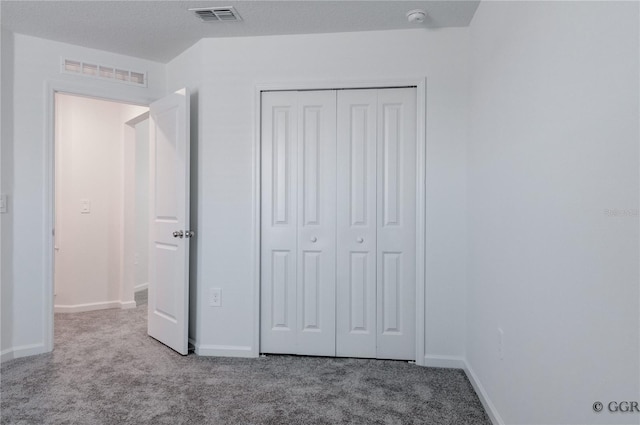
(316, 223)
(338, 223)
(356, 214)
(279, 222)
(298, 222)
(396, 223)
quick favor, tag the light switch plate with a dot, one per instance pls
(3, 204)
(85, 206)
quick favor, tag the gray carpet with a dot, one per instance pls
(141, 297)
(106, 370)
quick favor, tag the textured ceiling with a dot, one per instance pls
(160, 30)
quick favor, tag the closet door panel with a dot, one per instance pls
(279, 210)
(316, 222)
(396, 230)
(356, 223)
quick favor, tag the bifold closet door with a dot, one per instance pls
(357, 225)
(298, 223)
(396, 229)
(376, 223)
(338, 223)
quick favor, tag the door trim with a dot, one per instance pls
(128, 266)
(420, 83)
(50, 89)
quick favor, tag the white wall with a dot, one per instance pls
(89, 165)
(553, 146)
(37, 61)
(141, 250)
(6, 184)
(230, 68)
(6, 177)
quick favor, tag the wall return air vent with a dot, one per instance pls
(104, 72)
(217, 14)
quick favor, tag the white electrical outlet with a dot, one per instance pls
(215, 297)
(500, 343)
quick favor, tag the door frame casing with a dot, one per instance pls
(51, 87)
(420, 84)
(129, 206)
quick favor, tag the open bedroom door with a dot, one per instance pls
(169, 232)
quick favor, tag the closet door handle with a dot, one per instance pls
(360, 240)
(314, 239)
(178, 234)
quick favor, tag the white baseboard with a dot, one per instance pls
(488, 405)
(127, 304)
(22, 351)
(78, 308)
(451, 362)
(141, 287)
(224, 350)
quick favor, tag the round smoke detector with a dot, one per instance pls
(416, 16)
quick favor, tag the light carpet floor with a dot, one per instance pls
(106, 370)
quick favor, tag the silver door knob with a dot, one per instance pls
(314, 239)
(360, 240)
(178, 234)
(189, 233)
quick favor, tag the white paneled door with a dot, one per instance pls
(396, 224)
(169, 213)
(357, 227)
(298, 223)
(338, 223)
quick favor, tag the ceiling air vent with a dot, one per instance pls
(217, 14)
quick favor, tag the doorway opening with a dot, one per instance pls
(100, 203)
